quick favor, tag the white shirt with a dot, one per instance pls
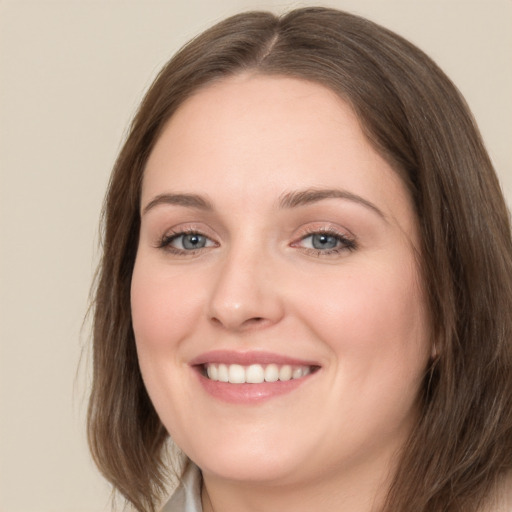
(187, 496)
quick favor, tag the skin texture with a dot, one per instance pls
(258, 284)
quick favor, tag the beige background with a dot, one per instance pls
(71, 75)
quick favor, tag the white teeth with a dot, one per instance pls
(236, 374)
(223, 375)
(255, 373)
(271, 373)
(285, 372)
(213, 372)
(297, 372)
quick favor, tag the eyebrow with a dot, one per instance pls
(186, 200)
(292, 199)
(313, 195)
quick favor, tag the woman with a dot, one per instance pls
(306, 281)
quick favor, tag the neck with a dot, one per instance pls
(360, 490)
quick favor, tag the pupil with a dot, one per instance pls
(194, 241)
(324, 241)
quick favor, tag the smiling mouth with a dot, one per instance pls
(255, 373)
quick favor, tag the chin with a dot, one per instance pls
(261, 470)
(264, 461)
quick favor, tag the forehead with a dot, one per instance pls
(257, 136)
(257, 111)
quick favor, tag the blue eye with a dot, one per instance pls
(185, 242)
(327, 243)
(324, 241)
(191, 241)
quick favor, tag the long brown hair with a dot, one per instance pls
(417, 119)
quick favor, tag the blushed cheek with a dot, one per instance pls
(378, 315)
(152, 308)
(164, 308)
(146, 313)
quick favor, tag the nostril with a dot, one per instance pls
(251, 321)
(254, 320)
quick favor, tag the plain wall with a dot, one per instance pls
(71, 75)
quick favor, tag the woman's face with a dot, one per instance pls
(276, 243)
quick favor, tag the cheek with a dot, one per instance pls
(160, 305)
(375, 326)
(164, 310)
(373, 318)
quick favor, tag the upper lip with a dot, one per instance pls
(248, 358)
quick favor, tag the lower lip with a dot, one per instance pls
(250, 393)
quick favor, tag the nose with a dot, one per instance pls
(246, 293)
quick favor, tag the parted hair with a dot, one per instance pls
(415, 117)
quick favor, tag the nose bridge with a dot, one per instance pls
(244, 293)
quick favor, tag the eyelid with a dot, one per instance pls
(348, 240)
(312, 228)
(164, 242)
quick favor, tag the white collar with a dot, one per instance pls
(187, 496)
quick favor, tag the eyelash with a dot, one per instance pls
(345, 243)
(168, 239)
